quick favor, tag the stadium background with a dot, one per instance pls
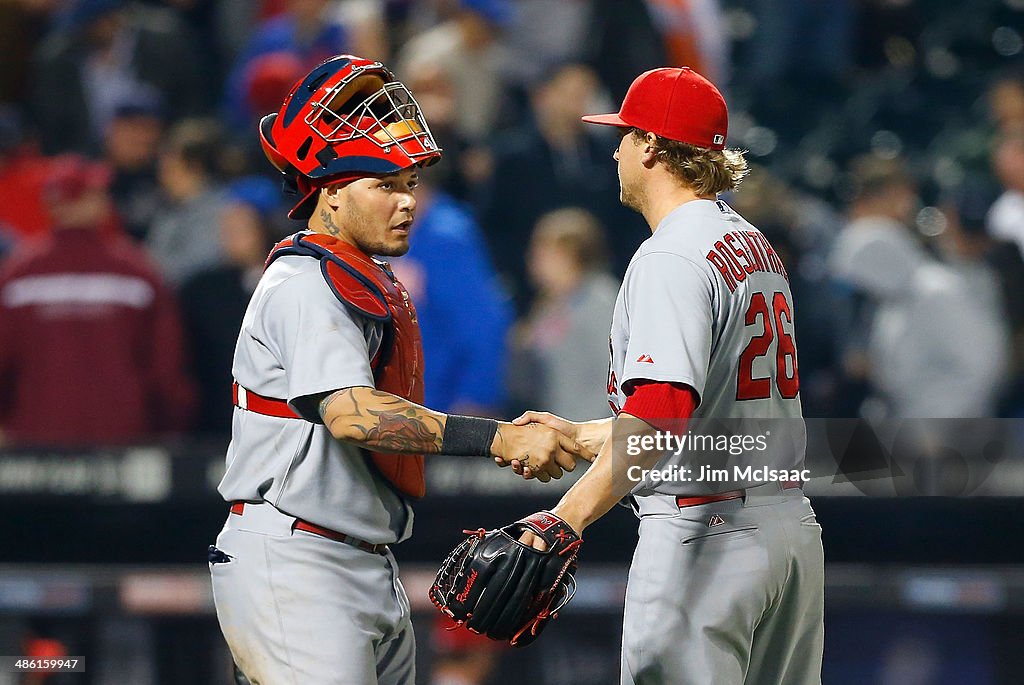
(104, 539)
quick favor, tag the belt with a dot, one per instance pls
(730, 494)
(239, 507)
(254, 402)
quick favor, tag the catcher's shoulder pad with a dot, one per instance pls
(355, 290)
(352, 277)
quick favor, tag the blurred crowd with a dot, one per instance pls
(136, 209)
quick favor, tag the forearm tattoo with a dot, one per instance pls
(386, 422)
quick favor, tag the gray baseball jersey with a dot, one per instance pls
(298, 340)
(706, 302)
(724, 592)
(294, 606)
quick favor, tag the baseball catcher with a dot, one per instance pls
(497, 586)
(329, 435)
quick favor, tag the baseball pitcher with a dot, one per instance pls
(727, 581)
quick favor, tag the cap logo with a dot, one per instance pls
(718, 139)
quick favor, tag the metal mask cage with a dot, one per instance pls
(388, 117)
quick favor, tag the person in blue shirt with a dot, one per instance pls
(464, 315)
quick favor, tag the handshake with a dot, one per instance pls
(543, 446)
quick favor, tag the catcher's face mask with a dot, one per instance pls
(349, 117)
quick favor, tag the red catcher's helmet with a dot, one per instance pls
(348, 118)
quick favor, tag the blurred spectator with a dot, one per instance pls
(22, 24)
(812, 223)
(463, 315)
(131, 143)
(307, 31)
(1006, 101)
(805, 39)
(916, 367)
(694, 34)
(793, 72)
(214, 300)
(554, 161)
(801, 229)
(996, 268)
(564, 337)
(102, 53)
(232, 25)
(366, 22)
(266, 82)
(882, 31)
(90, 340)
(221, 29)
(464, 165)
(1006, 218)
(22, 173)
(183, 238)
(542, 33)
(614, 24)
(268, 79)
(466, 46)
(884, 201)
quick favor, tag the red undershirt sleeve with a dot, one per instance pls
(666, 406)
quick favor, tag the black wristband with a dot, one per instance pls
(468, 436)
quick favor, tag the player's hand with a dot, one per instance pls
(534, 451)
(527, 470)
(563, 426)
(532, 540)
(591, 435)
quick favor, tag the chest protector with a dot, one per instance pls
(369, 288)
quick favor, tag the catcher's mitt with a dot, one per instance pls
(501, 588)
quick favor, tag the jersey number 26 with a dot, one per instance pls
(750, 388)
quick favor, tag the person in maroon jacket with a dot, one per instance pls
(91, 349)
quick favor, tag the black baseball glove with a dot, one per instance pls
(501, 588)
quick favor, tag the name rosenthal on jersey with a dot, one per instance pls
(740, 253)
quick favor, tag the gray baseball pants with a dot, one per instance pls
(300, 609)
(726, 593)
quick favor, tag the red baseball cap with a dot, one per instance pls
(674, 103)
(268, 79)
(70, 176)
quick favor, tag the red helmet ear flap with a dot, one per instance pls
(267, 143)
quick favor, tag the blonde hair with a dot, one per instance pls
(578, 232)
(705, 171)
